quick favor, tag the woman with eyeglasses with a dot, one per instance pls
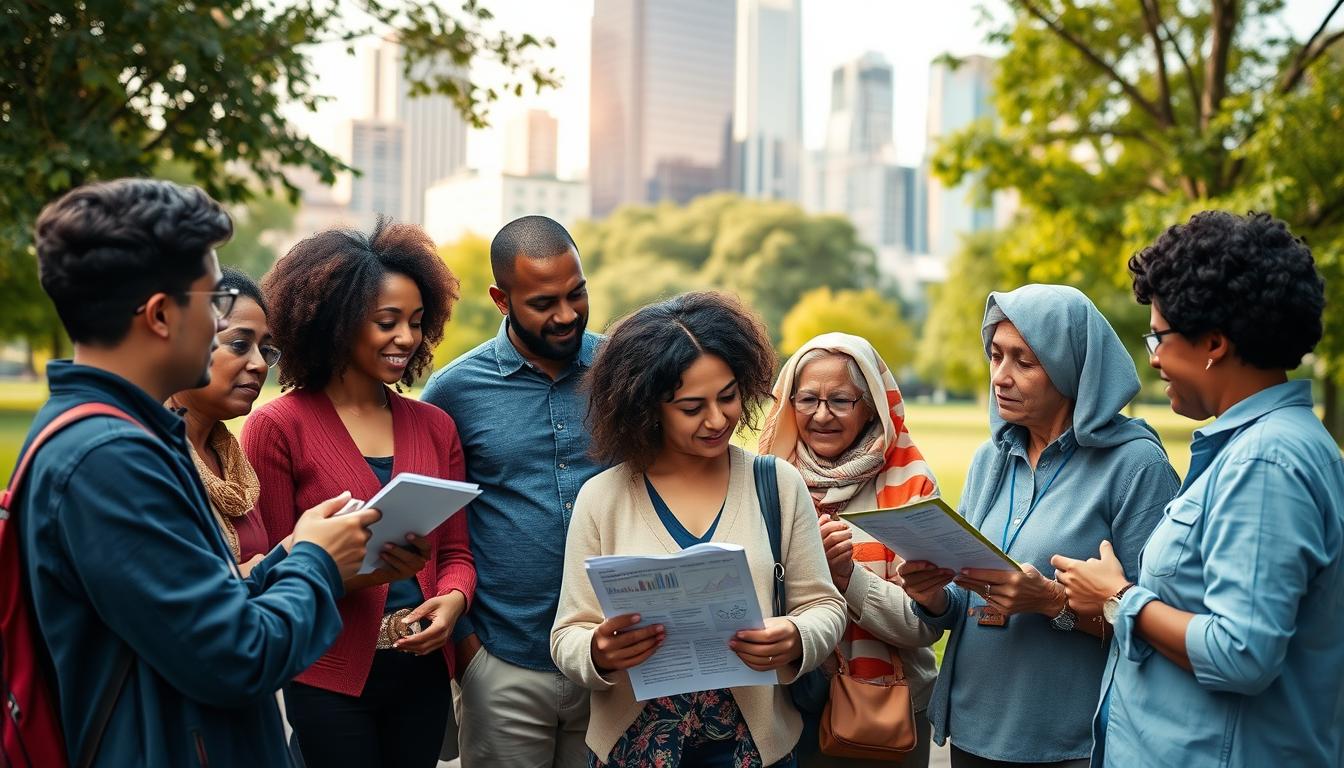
(1226, 638)
(1062, 470)
(857, 455)
(238, 367)
(358, 316)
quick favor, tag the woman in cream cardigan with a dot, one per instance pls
(668, 390)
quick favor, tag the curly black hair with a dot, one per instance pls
(103, 249)
(247, 287)
(641, 363)
(323, 290)
(1245, 276)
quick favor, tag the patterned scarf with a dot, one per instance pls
(235, 494)
(833, 482)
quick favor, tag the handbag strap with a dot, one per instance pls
(767, 497)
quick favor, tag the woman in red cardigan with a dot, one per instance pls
(355, 314)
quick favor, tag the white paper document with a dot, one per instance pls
(932, 531)
(702, 596)
(411, 503)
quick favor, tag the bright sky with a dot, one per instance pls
(909, 33)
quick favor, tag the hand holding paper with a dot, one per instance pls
(412, 504)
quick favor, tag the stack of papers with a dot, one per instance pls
(702, 596)
(932, 531)
(411, 503)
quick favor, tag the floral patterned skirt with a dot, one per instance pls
(687, 730)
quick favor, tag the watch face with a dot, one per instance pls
(1110, 610)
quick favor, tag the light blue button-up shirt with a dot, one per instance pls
(527, 447)
(1252, 546)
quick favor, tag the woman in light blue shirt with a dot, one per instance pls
(1062, 470)
(1229, 648)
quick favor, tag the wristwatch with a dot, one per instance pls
(1110, 608)
(1066, 620)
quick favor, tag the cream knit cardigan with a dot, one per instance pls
(613, 516)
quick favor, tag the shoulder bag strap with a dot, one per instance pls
(767, 496)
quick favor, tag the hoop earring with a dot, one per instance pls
(1209, 364)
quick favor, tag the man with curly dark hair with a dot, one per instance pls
(161, 652)
(357, 315)
(1224, 644)
(519, 405)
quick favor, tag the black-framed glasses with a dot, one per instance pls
(1154, 338)
(270, 354)
(808, 404)
(222, 300)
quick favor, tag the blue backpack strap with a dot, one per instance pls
(767, 496)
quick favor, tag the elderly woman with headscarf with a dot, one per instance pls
(1062, 470)
(839, 418)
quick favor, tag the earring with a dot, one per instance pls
(1209, 364)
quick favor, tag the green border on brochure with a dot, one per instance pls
(937, 501)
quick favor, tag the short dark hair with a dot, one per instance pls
(104, 248)
(536, 237)
(642, 361)
(1245, 276)
(320, 293)
(247, 287)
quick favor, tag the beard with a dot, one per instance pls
(539, 344)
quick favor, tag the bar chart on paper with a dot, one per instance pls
(656, 582)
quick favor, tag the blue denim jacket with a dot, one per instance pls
(526, 444)
(122, 555)
(1254, 546)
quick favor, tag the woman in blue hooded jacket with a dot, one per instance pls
(1062, 470)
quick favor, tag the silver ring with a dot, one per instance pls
(987, 590)
(770, 660)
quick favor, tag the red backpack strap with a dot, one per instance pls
(78, 413)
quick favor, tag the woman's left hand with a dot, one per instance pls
(1010, 592)
(838, 541)
(778, 645)
(442, 612)
(1090, 582)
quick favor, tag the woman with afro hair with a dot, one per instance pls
(358, 315)
(1223, 648)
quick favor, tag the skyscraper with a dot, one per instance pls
(530, 144)
(958, 95)
(861, 107)
(431, 139)
(661, 111)
(767, 117)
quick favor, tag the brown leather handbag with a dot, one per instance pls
(868, 719)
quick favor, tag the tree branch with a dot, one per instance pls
(1152, 18)
(1092, 56)
(1223, 25)
(1190, 81)
(1307, 55)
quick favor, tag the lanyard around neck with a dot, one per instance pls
(1006, 542)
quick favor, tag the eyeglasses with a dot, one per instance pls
(242, 348)
(222, 300)
(808, 404)
(1152, 340)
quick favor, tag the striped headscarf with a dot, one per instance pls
(884, 455)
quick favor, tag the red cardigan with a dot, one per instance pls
(303, 454)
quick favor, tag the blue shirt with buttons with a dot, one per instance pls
(526, 445)
(1253, 545)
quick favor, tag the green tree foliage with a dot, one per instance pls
(101, 89)
(475, 317)
(950, 352)
(769, 253)
(865, 313)
(1116, 120)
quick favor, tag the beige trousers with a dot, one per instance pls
(516, 717)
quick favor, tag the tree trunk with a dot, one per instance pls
(1333, 418)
